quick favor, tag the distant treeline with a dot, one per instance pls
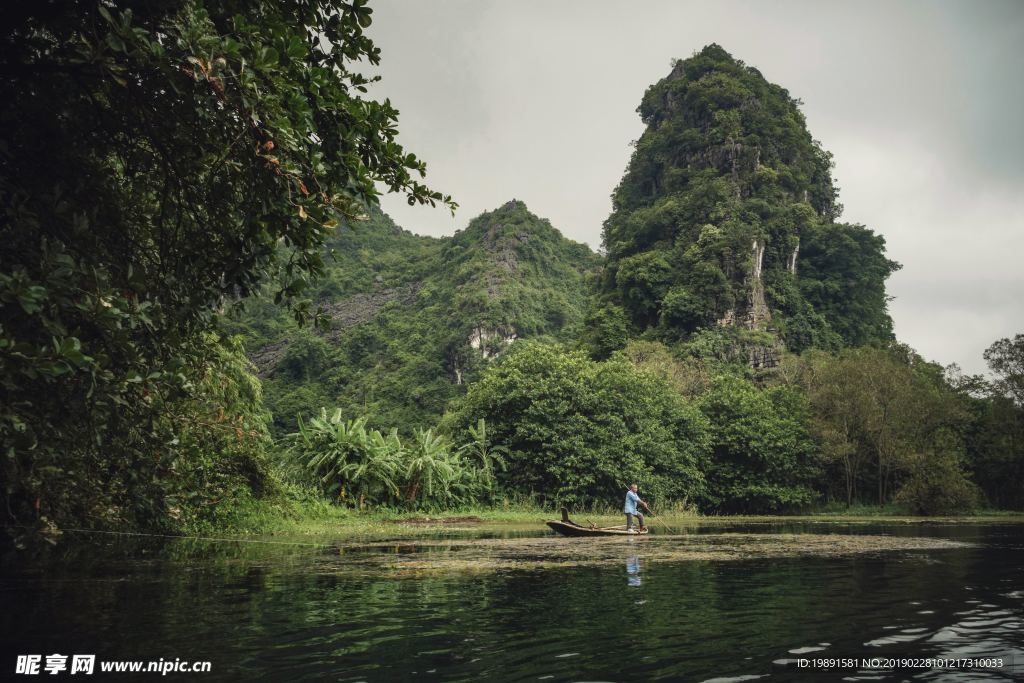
(867, 425)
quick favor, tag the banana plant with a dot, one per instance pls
(356, 465)
(428, 465)
(346, 458)
(490, 456)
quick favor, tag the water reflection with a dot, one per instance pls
(633, 571)
(302, 613)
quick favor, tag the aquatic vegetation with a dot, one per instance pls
(499, 554)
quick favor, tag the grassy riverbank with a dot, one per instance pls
(315, 517)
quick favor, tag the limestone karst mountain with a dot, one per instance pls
(726, 218)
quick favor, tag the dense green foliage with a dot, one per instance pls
(842, 276)
(414, 318)
(994, 433)
(887, 425)
(994, 438)
(858, 426)
(763, 459)
(360, 467)
(1006, 359)
(578, 431)
(726, 213)
(157, 161)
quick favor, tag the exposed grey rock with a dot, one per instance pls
(757, 308)
(344, 314)
(361, 308)
(489, 341)
(755, 312)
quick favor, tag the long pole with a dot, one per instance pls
(658, 517)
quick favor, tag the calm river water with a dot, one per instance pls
(290, 613)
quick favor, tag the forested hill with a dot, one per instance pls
(726, 217)
(723, 224)
(413, 318)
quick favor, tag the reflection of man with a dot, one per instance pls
(632, 499)
(633, 571)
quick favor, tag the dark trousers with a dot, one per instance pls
(629, 520)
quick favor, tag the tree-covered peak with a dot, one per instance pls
(716, 51)
(714, 112)
(512, 220)
(725, 217)
(509, 251)
(413, 318)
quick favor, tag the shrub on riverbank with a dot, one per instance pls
(578, 431)
(763, 459)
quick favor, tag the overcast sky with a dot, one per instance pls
(922, 104)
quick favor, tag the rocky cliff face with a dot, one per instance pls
(753, 311)
(342, 314)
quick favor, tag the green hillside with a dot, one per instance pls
(414, 318)
(726, 218)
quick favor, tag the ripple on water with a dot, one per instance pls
(944, 635)
(896, 639)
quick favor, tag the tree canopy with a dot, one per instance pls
(158, 161)
(1005, 357)
(578, 431)
(763, 459)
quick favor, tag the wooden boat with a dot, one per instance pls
(567, 527)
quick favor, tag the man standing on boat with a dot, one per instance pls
(632, 499)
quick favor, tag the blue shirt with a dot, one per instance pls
(631, 499)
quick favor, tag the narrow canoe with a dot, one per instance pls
(567, 527)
